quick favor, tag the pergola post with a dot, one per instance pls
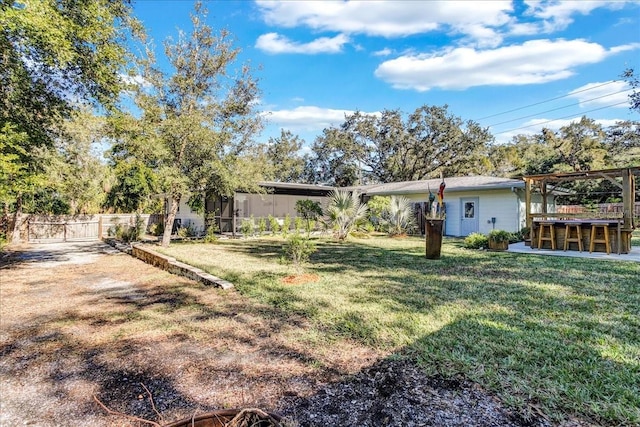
(543, 190)
(628, 199)
(527, 202)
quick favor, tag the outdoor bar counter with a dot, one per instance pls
(549, 232)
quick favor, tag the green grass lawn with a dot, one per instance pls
(561, 334)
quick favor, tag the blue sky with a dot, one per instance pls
(513, 66)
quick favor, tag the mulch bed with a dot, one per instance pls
(300, 279)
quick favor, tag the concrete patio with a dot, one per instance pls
(521, 248)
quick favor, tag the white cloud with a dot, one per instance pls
(383, 52)
(309, 118)
(611, 93)
(533, 62)
(558, 15)
(482, 23)
(389, 18)
(276, 43)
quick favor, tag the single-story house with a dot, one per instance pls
(473, 204)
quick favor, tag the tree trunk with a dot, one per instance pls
(168, 225)
(17, 221)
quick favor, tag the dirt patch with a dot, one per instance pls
(107, 325)
(300, 279)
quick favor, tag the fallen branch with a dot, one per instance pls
(153, 405)
(131, 417)
(252, 417)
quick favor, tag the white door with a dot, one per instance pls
(469, 221)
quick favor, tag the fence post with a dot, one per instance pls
(100, 227)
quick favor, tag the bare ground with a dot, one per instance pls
(81, 321)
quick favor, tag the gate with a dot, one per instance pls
(43, 231)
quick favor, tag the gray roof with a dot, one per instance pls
(293, 185)
(460, 183)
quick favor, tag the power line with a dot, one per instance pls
(572, 116)
(548, 100)
(560, 108)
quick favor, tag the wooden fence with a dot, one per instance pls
(604, 208)
(64, 228)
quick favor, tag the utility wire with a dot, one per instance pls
(572, 116)
(559, 108)
(548, 100)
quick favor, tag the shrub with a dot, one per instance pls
(211, 229)
(310, 225)
(298, 224)
(115, 231)
(247, 227)
(262, 225)
(401, 218)
(378, 207)
(274, 225)
(346, 213)
(476, 241)
(500, 236)
(156, 229)
(187, 232)
(521, 235)
(286, 225)
(297, 250)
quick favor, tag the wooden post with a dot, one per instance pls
(233, 214)
(628, 199)
(628, 205)
(543, 189)
(433, 237)
(100, 227)
(527, 202)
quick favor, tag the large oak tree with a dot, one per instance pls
(387, 147)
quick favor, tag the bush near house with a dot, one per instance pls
(476, 241)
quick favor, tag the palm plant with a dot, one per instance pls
(345, 212)
(400, 215)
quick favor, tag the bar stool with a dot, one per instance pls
(551, 237)
(604, 239)
(567, 235)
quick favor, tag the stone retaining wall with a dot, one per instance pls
(170, 264)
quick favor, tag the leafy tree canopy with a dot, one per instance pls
(54, 56)
(387, 148)
(198, 119)
(283, 158)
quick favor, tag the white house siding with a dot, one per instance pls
(502, 204)
(189, 218)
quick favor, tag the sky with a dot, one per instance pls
(512, 66)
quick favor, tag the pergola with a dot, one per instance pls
(616, 224)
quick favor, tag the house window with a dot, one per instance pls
(469, 210)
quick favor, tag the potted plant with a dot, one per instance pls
(499, 240)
